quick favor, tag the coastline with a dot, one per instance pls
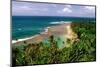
(48, 31)
(23, 39)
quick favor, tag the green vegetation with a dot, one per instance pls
(82, 50)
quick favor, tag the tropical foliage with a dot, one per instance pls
(83, 50)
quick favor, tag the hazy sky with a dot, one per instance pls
(44, 9)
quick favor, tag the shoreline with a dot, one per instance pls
(46, 33)
(23, 39)
(31, 37)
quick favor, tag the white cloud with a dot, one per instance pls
(89, 7)
(21, 8)
(69, 6)
(67, 10)
(25, 8)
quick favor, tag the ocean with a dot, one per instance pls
(27, 26)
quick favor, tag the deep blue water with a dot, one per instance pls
(25, 26)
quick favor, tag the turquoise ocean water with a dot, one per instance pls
(26, 26)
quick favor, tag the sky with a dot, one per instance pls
(45, 9)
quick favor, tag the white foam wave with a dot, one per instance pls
(45, 30)
(14, 41)
(61, 22)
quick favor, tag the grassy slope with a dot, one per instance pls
(82, 50)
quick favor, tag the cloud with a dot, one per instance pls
(89, 10)
(66, 9)
(43, 9)
(69, 6)
(90, 7)
(25, 8)
(20, 6)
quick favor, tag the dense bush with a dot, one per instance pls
(80, 51)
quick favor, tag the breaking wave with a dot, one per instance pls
(61, 22)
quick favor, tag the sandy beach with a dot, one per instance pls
(62, 29)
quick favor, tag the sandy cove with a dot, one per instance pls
(62, 29)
